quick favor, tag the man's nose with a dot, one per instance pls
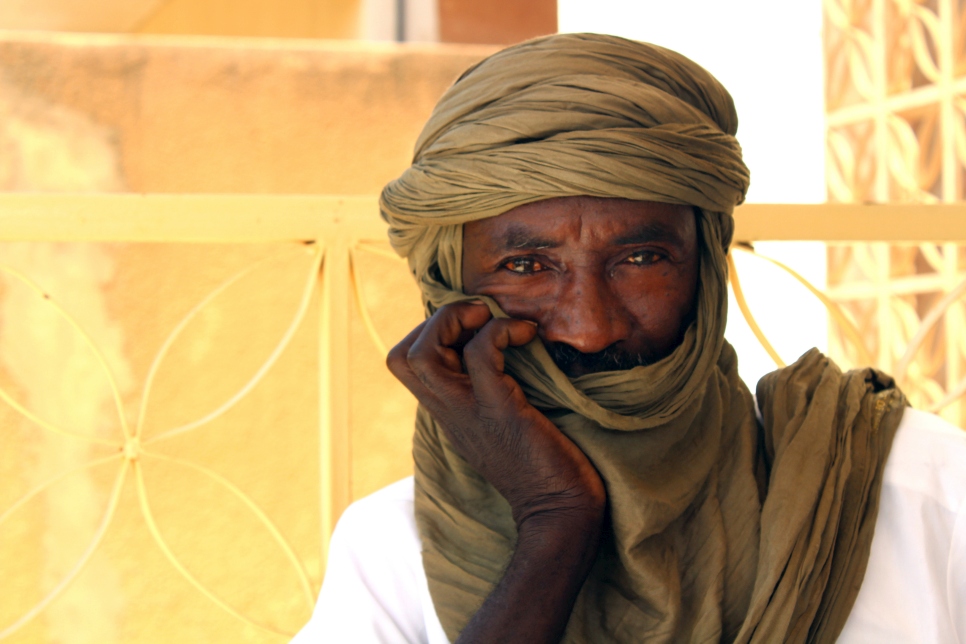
(588, 315)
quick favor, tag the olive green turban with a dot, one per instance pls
(722, 528)
(575, 114)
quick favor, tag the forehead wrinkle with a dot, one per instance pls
(648, 233)
(519, 237)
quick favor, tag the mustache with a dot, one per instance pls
(574, 362)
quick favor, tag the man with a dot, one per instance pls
(589, 466)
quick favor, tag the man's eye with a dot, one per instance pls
(523, 265)
(644, 257)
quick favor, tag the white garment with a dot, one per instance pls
(914, 590)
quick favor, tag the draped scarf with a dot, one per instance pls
(721, 526)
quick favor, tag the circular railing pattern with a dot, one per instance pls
(132, 449)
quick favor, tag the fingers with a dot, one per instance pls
(432, 355)
(429, 364)
(398, 361)
(429, 356)
(450, 323)
(483, 356)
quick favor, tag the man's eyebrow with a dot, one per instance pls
(648, 233)
(519, 238)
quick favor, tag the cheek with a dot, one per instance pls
(661, 305)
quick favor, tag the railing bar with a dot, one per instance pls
(906, 285)
(336, 467)
(746, 313)
(224, 219)
(215, 219)
(955, 394)
(356, 278)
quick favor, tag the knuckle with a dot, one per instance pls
(400, 363)
(474, 349)
(500, 328)
(418, 362)
(448, 311)
(396, 360)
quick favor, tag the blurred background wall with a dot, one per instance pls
(209, 526)
(208, 353)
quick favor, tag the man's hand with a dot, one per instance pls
(453, 364)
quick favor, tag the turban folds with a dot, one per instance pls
(721, 527)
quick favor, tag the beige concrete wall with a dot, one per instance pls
(269, 18)
(75, 15)
(234, 115)
(272, 18)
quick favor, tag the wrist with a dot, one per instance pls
(555, 551)
(566, 535)
(569, 512)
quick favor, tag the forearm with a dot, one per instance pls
(557, 496)
(533, 601)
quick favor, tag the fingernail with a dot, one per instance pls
(531, 322)
(479, 302)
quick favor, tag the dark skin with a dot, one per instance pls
(610, 281)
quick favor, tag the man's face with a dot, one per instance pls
(610, 283)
